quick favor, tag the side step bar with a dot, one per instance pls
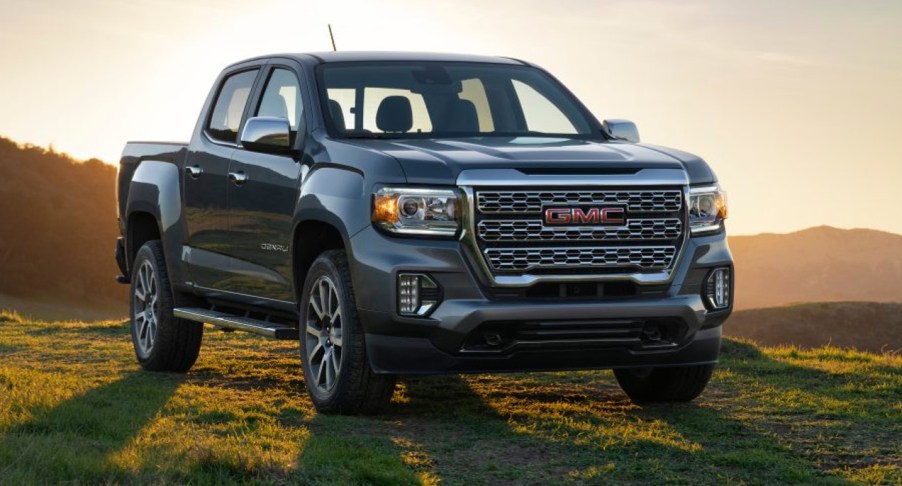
(237, 323)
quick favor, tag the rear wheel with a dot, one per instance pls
(333, 352)
(676, 384)
(162, 342)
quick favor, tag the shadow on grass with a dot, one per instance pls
(536, 429)
(72, 441)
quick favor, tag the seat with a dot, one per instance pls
(394, 115)
(338, 117)
(462, 118)
(274, 106)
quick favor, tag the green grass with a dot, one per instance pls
(74, 406)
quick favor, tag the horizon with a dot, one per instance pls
(771, 95)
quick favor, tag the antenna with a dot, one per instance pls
(332, 37)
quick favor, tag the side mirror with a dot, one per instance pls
(267, 134)
(622, 129)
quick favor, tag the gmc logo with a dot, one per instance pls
(587, 216)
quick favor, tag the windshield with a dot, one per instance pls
(446, 100)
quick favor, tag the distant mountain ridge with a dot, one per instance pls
(820, 264)
(868, 326)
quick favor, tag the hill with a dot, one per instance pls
(868, 326)
(769, 416)
(57, 230)
(819, 264)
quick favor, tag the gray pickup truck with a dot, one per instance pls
(410, 213)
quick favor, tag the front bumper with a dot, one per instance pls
(441, 342)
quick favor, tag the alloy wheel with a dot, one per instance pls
(146, 308)
(324, 334)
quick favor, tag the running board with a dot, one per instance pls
(230, 321)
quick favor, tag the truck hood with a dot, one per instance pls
(432, 161)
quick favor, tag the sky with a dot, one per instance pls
(797, 104)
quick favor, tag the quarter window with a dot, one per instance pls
(229, 107)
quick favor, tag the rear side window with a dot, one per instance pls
(229, 107)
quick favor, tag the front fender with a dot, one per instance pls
(335, 195)
(155, 189)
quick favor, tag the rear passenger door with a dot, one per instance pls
(263, 193)
(206, 180)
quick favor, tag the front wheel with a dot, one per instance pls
(676, 384)
(333, 352)
(162, 341)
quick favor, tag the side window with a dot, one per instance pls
(229, 107)
(540, 113)
(282, 99)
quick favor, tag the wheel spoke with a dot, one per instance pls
(336, 361)
(320, 373)
(315, 352)
(139, 292)
(143, 276)
(324, 299)
(317, 308)
(312, 330)
(152, 330)
(330, 372)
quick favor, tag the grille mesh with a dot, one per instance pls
(643, 258)
(533, 230)
(513, 238)
(533, 201)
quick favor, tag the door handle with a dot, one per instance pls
(239, 178)
(194, 171)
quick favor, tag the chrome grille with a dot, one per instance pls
(520, 259)
(533, 201)
(513, 238)
(533, 230)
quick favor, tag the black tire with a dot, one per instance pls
(173, 343)
(354, 388)
(677, 384)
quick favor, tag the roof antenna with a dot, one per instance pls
(332, 37)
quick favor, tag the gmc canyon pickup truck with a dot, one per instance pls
(409, 213)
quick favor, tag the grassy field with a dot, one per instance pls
(74, 406)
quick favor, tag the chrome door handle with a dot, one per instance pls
(239, 178)
(194, 171)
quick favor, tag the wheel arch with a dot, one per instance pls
(310, 239)
(155, 195)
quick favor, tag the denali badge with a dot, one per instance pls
(273, 247)
(584, 216)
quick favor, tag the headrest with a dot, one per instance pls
(394, 114)
(274, 106)
(462, 117)
(338, 116)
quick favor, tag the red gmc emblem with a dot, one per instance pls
(584, 216)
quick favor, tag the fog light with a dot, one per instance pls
(717, 288)
(417, 294)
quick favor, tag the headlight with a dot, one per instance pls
(417, 211)
(707, 209)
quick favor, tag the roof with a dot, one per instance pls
(352, 56)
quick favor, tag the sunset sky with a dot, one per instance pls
(796, 104)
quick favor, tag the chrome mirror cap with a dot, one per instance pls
(267, 134)
(622, 129)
